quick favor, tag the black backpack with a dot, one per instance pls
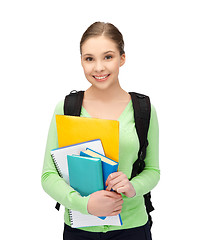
(142, 110)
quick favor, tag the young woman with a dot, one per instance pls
(102, 54)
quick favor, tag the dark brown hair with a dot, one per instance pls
(104, 29)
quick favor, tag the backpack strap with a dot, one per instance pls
(72, 107)
(142, 111)
(73, 103)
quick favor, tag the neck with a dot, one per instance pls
(113, 93)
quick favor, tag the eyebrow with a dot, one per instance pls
(88, 54)
(109, 52)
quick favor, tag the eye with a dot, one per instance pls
(108, 57)
(89, 59)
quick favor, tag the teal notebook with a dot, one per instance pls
(108, 165)
(85, 174)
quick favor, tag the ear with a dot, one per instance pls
(122, 60)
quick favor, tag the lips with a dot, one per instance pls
(101, 77)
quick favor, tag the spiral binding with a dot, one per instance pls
(57, 166)
(71, 218)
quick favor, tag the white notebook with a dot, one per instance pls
(82, 220)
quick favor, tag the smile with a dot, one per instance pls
(101, 77)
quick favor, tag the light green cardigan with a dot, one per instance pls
(133, 211)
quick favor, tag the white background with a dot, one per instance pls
(40, 63)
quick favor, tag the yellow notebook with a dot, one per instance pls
(73, 130)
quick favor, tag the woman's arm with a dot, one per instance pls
(150, 176)
(52, 183)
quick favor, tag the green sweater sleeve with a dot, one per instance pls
(52, 183)
(149, 177)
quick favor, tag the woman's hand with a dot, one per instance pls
(105, 203)
(119, 182)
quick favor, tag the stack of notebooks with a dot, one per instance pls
(85, 168)
(83, 164)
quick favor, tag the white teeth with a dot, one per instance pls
(101, 77)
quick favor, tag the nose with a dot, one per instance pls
(99, 66)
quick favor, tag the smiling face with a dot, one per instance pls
(101, 61)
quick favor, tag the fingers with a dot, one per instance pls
(116, 198)
(116, 202)
(114, 213)
(112, 176)
(116, 181)
(120, 189)
(113, 195)
(117, 210)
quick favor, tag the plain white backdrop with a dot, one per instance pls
(40, 63)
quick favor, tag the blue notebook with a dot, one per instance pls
(108, 165)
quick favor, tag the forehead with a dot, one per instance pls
(98, 45)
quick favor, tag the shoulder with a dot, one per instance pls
(59, 109)
(153, 110)
(153, 118)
